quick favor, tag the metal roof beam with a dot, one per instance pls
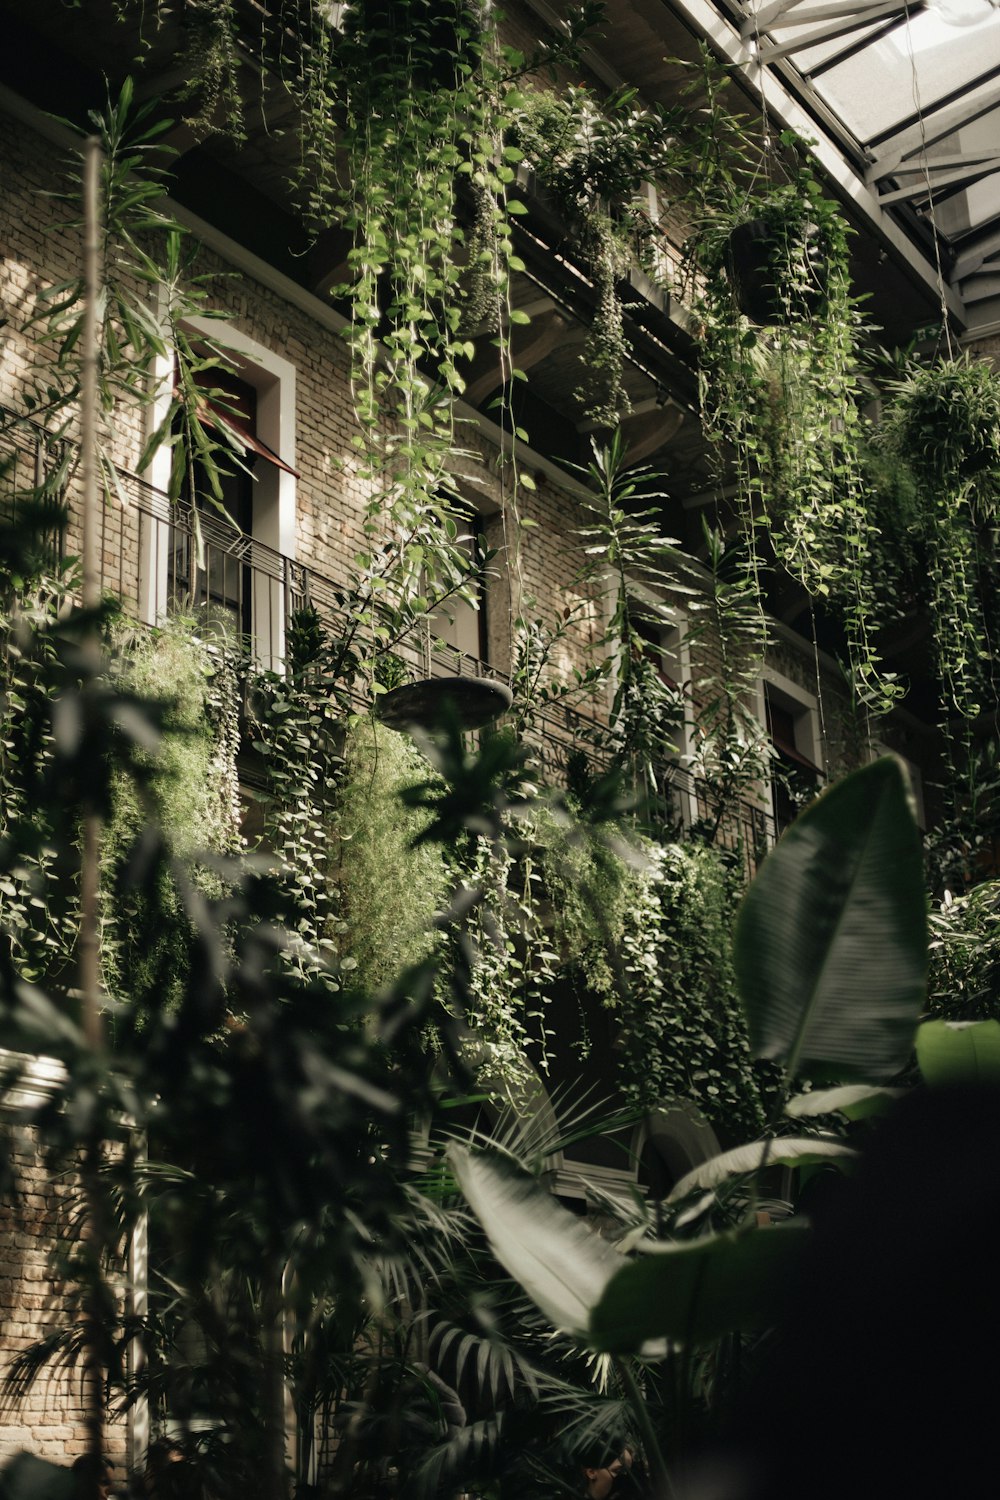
(788, 15)
(971, 261)
(706, 21)
(771, 51)
(926, 187)
(925, 130)
(862, 39)
(929, 163)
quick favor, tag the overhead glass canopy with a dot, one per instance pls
(914, 93)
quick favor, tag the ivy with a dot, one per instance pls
(390, 887)
(192, 793)
(682, 1026)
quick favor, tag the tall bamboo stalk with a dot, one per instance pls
(88, 952)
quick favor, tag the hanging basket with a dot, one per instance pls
(759, 266)
(434, 702)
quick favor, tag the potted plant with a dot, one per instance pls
(777, 262)
(940, 432)
(781, 254)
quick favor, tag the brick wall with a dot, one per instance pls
(34, 1217)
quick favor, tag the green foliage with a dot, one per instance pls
(624, 544)
(211, 65)
(959, 1054)
(831, 940)
(294, 728)
(808, 997)
(269, 1107)
(192, 795)
(697, 1292)
(964, 979)
(729, 636)
(682, 1026)
(577, 872)
(38, 897)
(940, 430)
(391, 886)
(594, 156)
(195, 791)
(786, 398)
(150, 291)
(961, 847)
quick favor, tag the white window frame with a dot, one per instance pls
(808, 740)
(274, 379)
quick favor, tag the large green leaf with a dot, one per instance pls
(562, 1265)
(787, 1151)
(694, 1292)
(959, 1052)
(831, 939)
(855, 1100)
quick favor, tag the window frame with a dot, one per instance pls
(273, 378)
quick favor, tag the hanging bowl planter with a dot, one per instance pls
(434, 702)
(779, 273)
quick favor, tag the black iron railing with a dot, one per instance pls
(158, 556)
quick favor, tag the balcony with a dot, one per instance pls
(148, 558)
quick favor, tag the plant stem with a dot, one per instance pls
(88, 953)
(662, 1487)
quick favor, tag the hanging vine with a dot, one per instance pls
(594, 157)
(940, 433)
(780, 386)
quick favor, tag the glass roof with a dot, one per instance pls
(915, 89)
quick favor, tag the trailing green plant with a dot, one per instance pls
(940, 430)
(211, 62)
(594, 156)
(682, 1028)
(785, 398)
(728, 636)
(416, 104)
(391, 883)
(193, 794)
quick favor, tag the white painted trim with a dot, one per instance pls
(804, 704)
(274, 523)
(38, 1079)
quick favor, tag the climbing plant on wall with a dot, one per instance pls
(192, 794)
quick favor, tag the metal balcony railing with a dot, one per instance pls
(150, 560)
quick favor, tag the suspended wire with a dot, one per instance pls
(931, 213)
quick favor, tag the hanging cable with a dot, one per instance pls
(918, 108)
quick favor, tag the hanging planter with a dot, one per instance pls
(434, 702)
(779, 274)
